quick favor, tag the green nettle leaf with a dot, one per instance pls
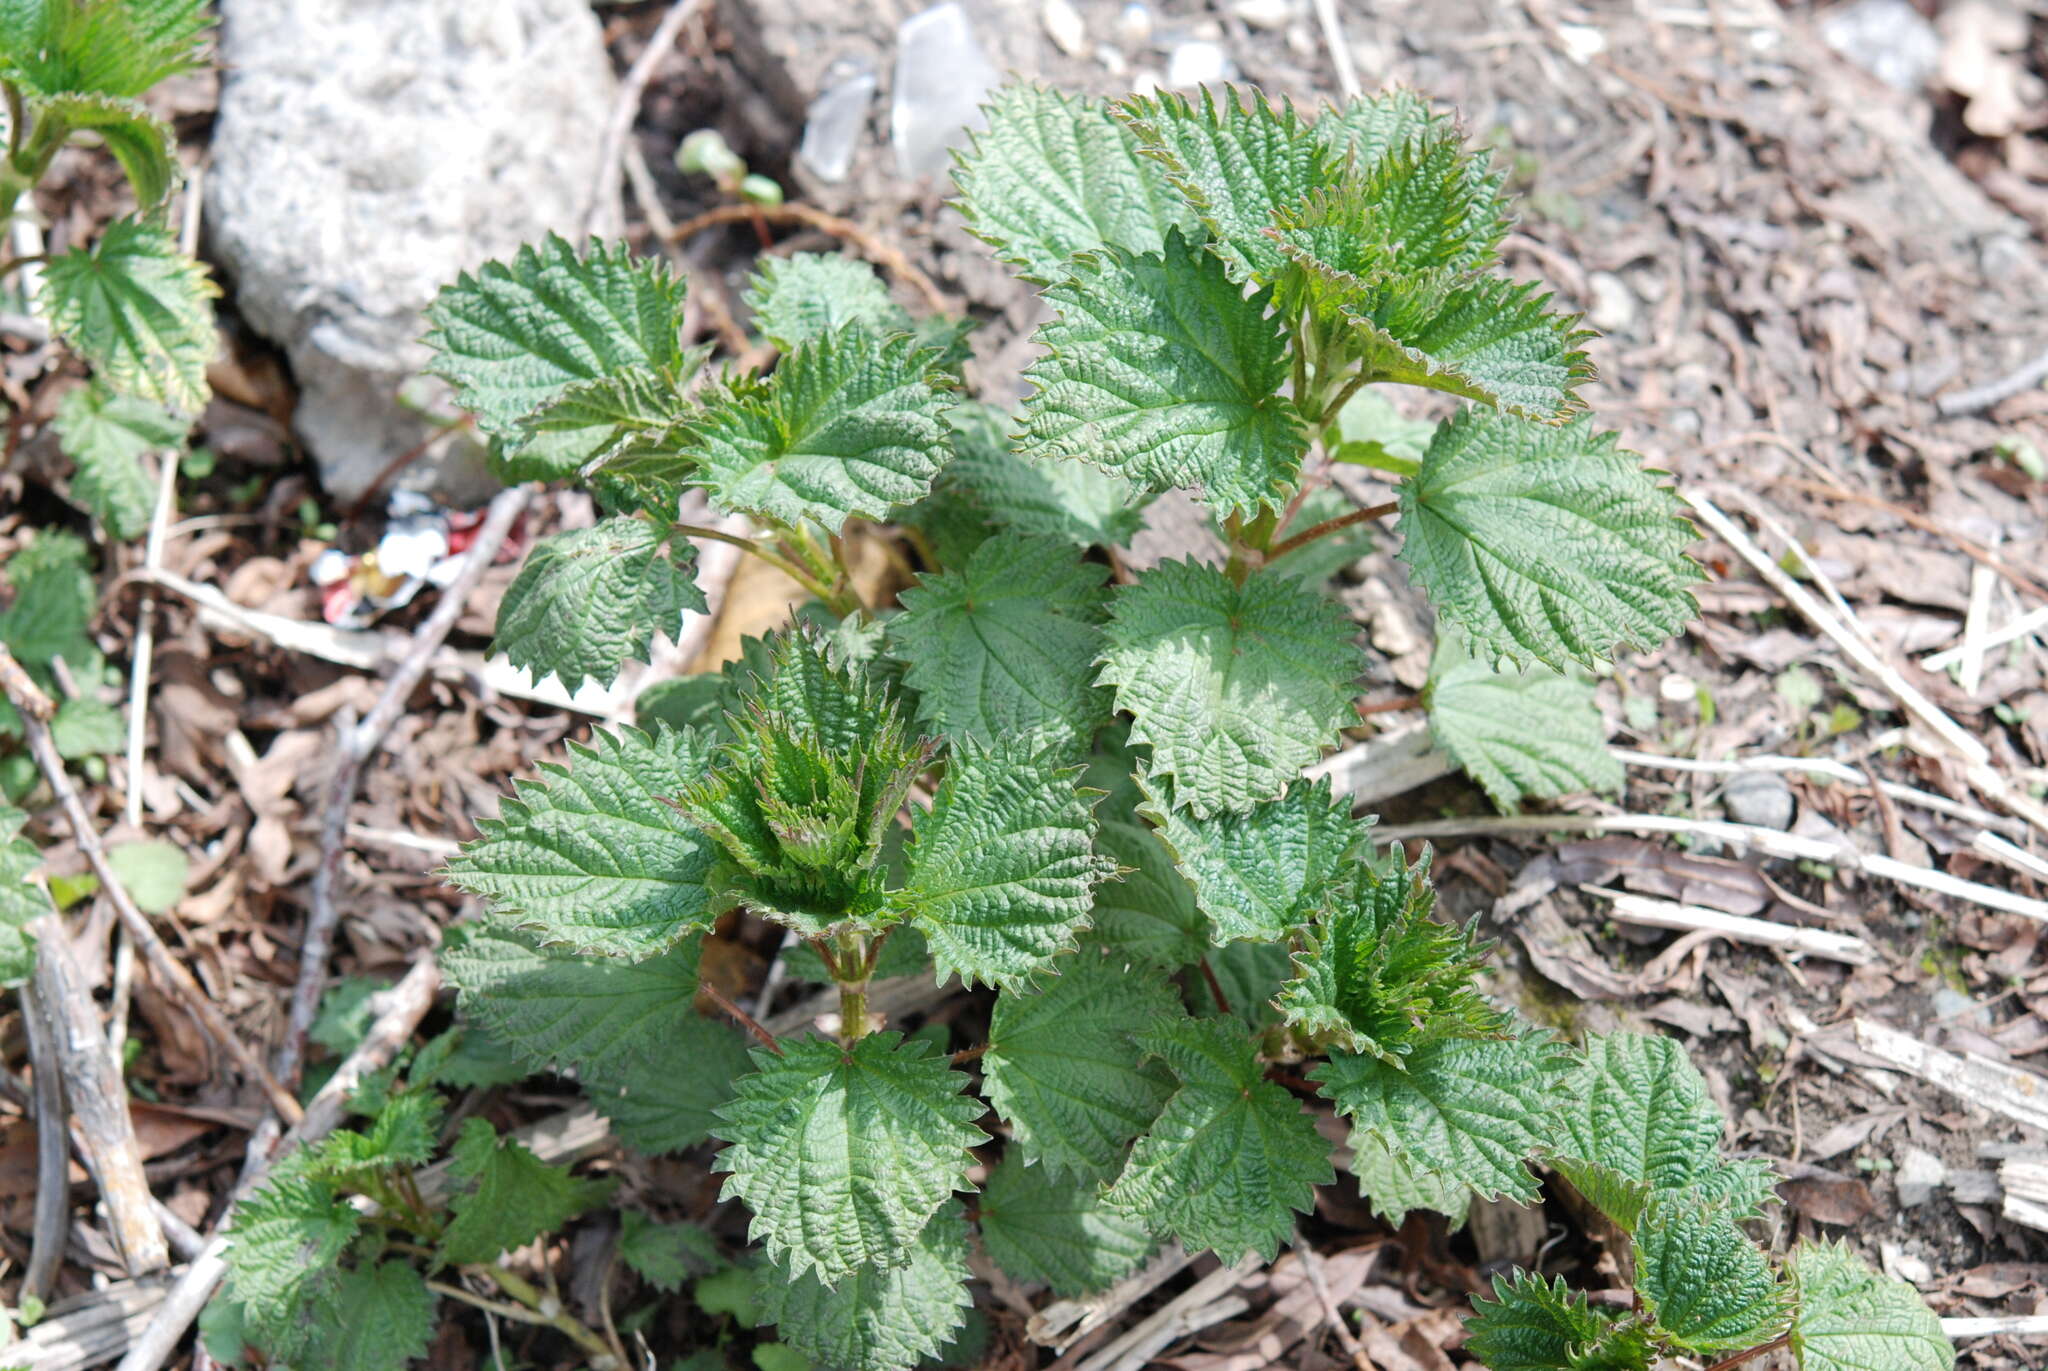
(848, 425)
(138, 309)
(1006, 646)
(1237, 160)
(383, 1317)
(1164, 372)
(1232, 1157)
(1147, 911)
(844, 1153)
(107, 434)
(1063, 1068)
(144, 145)
(85, 727)
(1849, 1318)
(1249, 975)
(1531, 1326)
(513, 335)
(594, 1018)
(1259, 875)
(1703, 1283)
(21, 900)
(808, 294)
(878, 1318)
(1639, 1108)
(1042, 1227)
(665, 1254)
(1055, 176)
(1378, 975)
(52, 610)
(1047, 497)
(152, 871)
(557, 1011)
(120, 49)
(283, 1254)
(1234, 687)
(594, 419)
(591, 599)
(592, 856)
(1471, 1109)
(1396, 1184)
(1371, 132)
(1518, 733)
(803, 797)
(504, 1196)
(1545, 543)
(1002, 864)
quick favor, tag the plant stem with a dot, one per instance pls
(1329, 526)
(740, 1016)
(562, 1321)
(1740, 1357)
(852, 967)
(1215, 986)
(968, 1054)
(764, 552)
(1336, 406)
(1388, 706)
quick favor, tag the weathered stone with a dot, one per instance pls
(1760, 798)
(367, 151)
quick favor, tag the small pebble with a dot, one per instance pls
(1134, 26)
(1953, 1006)
(1198, 64)
(1614, 304)
(1678, 689)
(1066, 28)
(1264, 14)
(1760, 799)
(1918, 1174)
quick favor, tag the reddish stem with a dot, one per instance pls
(740, 1016)
(1329, 526)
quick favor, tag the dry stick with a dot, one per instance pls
(401, 1009)
(1312, 1264)
(1970, 547)
(604, 188)
(34, 708)
(138, 727)
(874, 249)
(1833, 770)
(1340, 50)
(1769, 841)
(98, 1098)
(358, 745)
(1975, 756)
(2032, 621)
(2029, 375)
(53, 1161)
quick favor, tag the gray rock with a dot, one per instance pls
(1759, 798)
(1919, 1174)
(943, 76)
(1887, 38)
(365, 154)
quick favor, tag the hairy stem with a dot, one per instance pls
(1336, 406)
(559, 1319)
(765, 552)
(1740, 1357)
(1329, 526)
(852, 966)
(1215, 986)
(739, 1016)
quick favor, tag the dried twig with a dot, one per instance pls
(1770, 841)
(2033, 621)
(98, 1099)
(1976, 1080)
(34, 708)
(400, 1010)
(357, 746)
(1975, 756)
(1815, 942)
(605, 214)
(1340, 49)
(881, 253)
(1312, 1266)
(2018, 1325)
(53, 1160)
(2024, 377)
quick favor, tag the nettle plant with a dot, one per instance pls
(1081, 786)
(139, 313)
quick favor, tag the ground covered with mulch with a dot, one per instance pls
(1804, 280)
